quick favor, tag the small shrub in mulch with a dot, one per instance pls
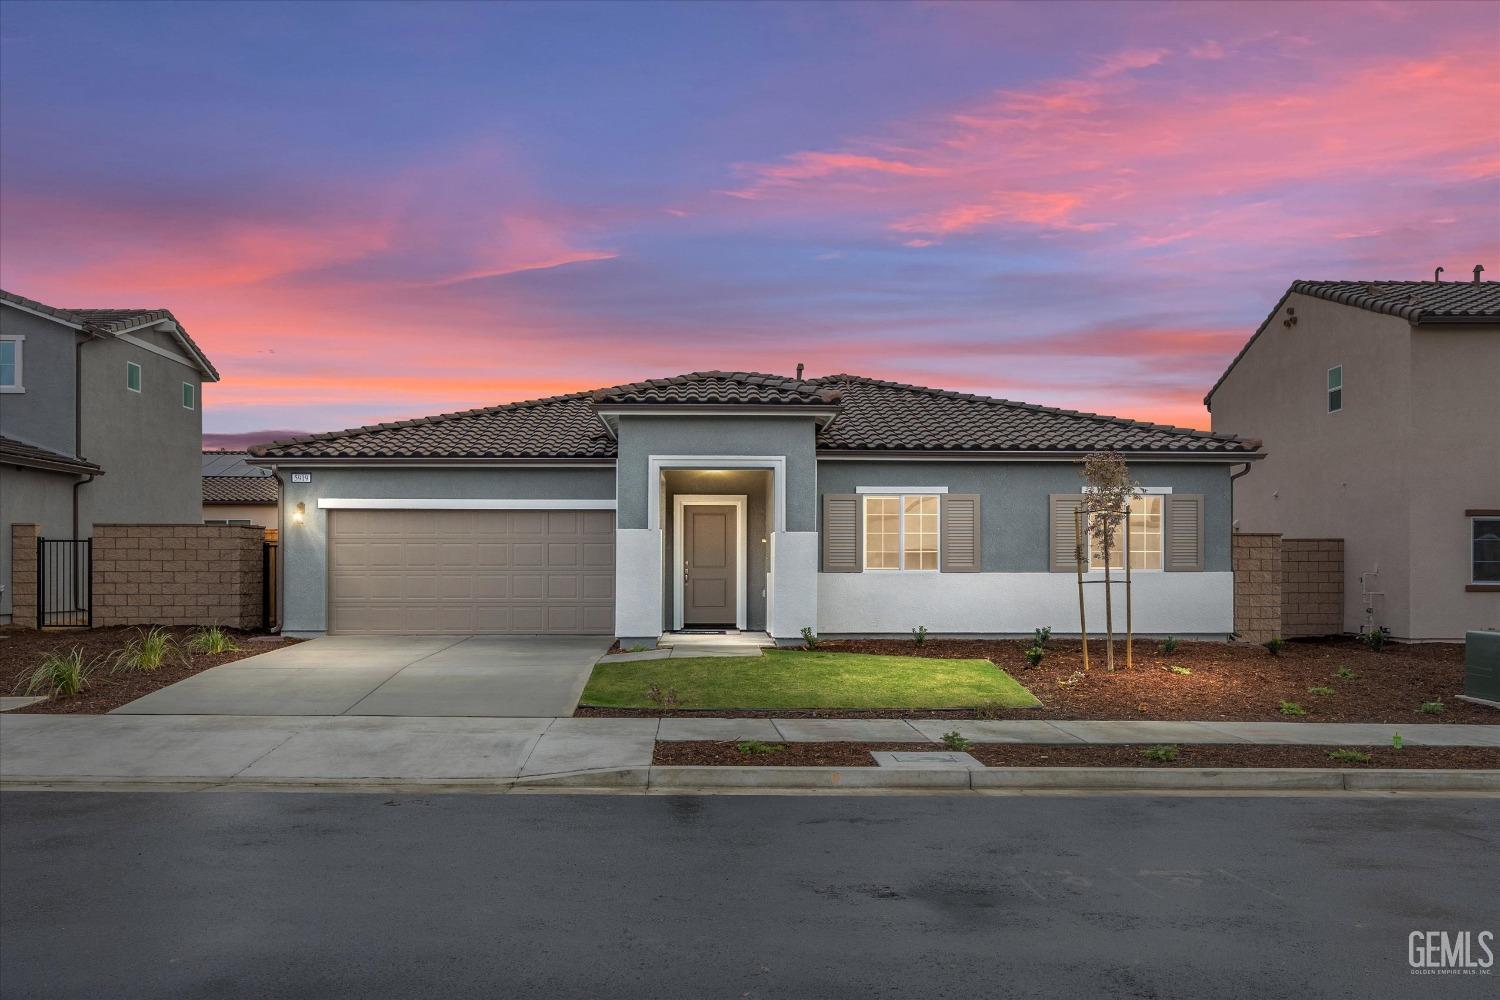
(131, 663)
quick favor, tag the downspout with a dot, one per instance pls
(1232, 477)
(78, 422)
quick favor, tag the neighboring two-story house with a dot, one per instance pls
(101, 421)
(1379, 406)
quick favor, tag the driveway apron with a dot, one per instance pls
(478, 676)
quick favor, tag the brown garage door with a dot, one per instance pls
(472, 571)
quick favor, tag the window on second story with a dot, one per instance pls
(10, 363)
(189, 396)
(132, 376)
(1335, 388)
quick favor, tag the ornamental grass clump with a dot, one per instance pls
(212, 641)
(147, 651)
(59, 675)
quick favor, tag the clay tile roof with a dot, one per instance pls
(891, 416)
(1417, 301)
(719, 388)
(110, 321)
(240, 489)
(13, 452)
(554, 427)
(868, 415)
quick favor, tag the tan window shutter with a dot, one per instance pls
(1182, 546)
(961, 542)
(1062, 536)
(842, 551)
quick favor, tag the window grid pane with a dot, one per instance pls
(1486, 550)
(882, 533)
(7, 362)
(1145, 538)
(921, 521)
(132, 376)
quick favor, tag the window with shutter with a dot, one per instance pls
(962, 542)
(1183, 547)
(1062, 535)
(841, 531)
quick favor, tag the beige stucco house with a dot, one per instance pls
(1379, 407)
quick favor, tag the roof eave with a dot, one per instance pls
(584, 461)
(1052, 455)
(609, 413)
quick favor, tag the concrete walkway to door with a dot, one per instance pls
(477, 676)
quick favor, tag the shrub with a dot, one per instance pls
(919, 634)
(809, 637)
(1397, 742)
(59, 675)
(1432, 707)
(1375, 638)
(212, 640)
(1162, 753)
(1040, 635)
(954, 740)
(662, 699)
(1347, 756)
(1034, 655)
(147, 651)
(1292, 708)
(1169, 644)
(1321, 691)
(1274, 645)
(1345, 674)
(757, 747)
(1181, 671)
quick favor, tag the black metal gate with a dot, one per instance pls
(64, 582)
(269, 578)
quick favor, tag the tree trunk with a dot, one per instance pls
(1109, 612)
(1083, 626)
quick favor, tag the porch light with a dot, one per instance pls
(299, 513)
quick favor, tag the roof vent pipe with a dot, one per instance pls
(1437, 275)
(1478, 268)
(799, 364)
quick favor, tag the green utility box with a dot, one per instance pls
(1482, 666)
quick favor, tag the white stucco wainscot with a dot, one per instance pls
(1183, 604)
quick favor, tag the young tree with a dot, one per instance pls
(1106, 505)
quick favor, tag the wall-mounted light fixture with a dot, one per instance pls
(299, 514)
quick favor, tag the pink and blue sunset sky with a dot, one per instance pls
(373, 212)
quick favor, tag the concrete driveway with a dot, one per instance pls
(480, 676)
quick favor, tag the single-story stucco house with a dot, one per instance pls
(844, 504)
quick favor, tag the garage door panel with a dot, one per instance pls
(482, 571)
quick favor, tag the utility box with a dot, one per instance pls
(1482, 666)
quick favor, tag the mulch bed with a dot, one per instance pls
(1229, 681)
(21, 650)
(726, 754)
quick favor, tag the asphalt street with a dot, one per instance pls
(224, 895)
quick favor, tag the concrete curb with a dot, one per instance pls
(826, 779)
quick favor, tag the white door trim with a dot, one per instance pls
(776, 463)
(738, 502)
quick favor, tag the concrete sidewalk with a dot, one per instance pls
(354, 748)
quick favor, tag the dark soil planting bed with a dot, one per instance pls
(22, 650)
(1227, 681)
(728, 754)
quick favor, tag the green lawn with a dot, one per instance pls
(787, 679)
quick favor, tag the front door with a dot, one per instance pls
(709, 595)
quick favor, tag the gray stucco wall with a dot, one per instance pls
(31, 496)
(790, 436)
(305, 547)
(755, 486)
(1014, 495)
(43, 414)
(149, 444)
